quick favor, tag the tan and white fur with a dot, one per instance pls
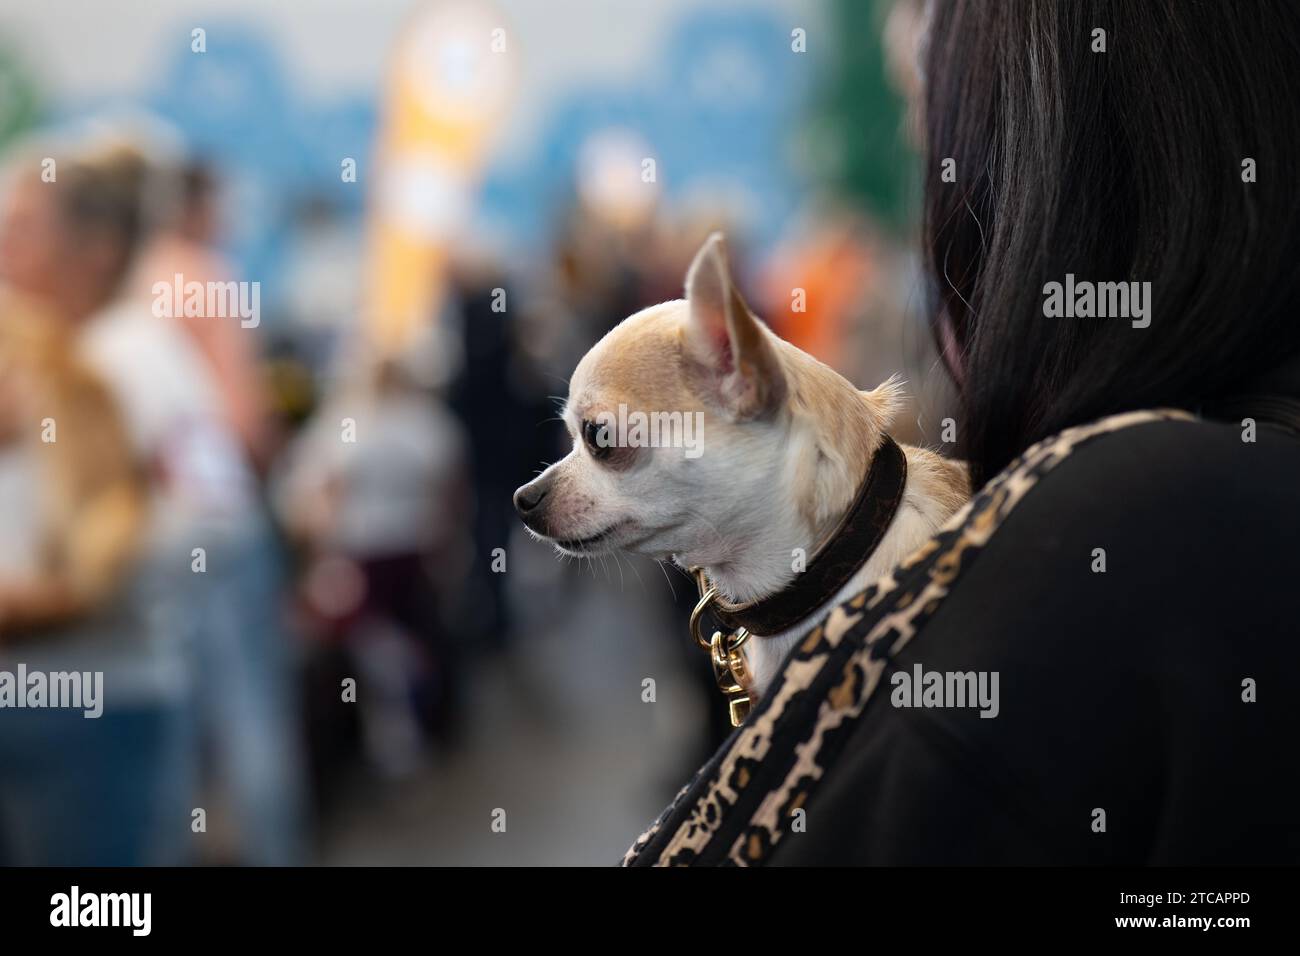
(785, 444)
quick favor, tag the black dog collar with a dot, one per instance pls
(854, 540)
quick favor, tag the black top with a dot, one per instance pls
(1124, 691)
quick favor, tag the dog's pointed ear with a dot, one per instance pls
(728, 346)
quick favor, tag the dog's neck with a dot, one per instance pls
(767, 560)
(833, 433)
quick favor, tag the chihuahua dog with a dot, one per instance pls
(701, 437)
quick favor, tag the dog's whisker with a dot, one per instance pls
(671, 589)
(619, 564)
(631, 563)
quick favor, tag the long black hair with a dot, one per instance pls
(1128, 164)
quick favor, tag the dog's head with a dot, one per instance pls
(686, 439)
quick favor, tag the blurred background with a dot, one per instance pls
(279, 521)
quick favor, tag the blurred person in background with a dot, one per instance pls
(375, 490)
(206, 576)
(500, 398)
(77, 790)
(185, 243)
(112, 790)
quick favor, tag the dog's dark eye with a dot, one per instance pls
(597, 439)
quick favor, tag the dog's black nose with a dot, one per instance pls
(528, 498)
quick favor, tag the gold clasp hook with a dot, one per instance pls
(729, 668)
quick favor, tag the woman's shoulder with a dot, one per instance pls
(1173, 461)
(1168, 489)
(1166, 523)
